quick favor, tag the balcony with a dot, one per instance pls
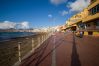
(93, 4)
(91, 17)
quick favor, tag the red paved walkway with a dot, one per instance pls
(66, 50)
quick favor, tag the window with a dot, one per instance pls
(94, 10)
(92, 1)
(88, 25)
(98, 8)
(90, 12)
(97, 23)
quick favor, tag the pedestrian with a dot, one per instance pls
(81, 34)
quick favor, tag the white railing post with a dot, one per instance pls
(32, 44)
(46, 36)
(42, 39)
(38, 41)
(19, 50)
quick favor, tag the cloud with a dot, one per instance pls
(63, 13)
(24, 25)
(8, 25)
(58, 2)
(78, 5)
(50, 16)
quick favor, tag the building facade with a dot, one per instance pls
(88, 19)
(92, 19)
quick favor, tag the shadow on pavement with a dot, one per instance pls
(75, 57)
(49, 53)
(37, 55)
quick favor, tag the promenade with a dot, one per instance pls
(65, 50)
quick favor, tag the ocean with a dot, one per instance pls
(10, 35)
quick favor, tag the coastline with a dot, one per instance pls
(15, 36)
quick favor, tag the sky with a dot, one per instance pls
(38, 13)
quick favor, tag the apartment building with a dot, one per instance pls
(88, 19)
(92, 19)
(75, 22)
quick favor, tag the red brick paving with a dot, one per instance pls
(69, 52)
(88, 49)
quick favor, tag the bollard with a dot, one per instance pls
(19, 50)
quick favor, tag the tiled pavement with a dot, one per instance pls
(66, 50)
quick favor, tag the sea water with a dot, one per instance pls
(10, 35)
